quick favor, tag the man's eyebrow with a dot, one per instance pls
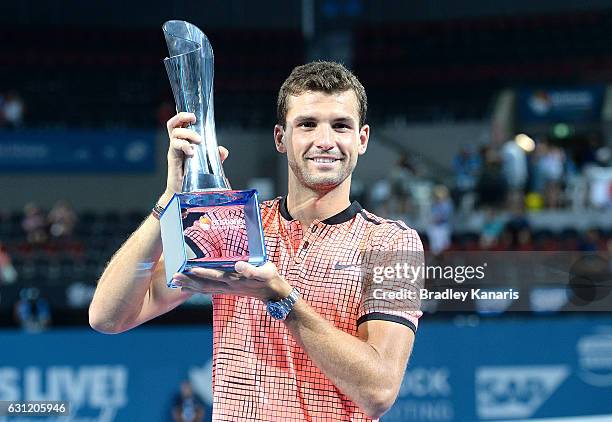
(310, 117)
(304, 117)
(344, 119)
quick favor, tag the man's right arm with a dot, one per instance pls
(132, 289)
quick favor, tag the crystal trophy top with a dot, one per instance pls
(190, 69)
(207, 224)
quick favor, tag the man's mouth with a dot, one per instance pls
(324, 160)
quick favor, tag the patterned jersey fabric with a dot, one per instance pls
(260, 373)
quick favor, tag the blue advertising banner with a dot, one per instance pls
(509, 370)
(581, 104)
(492, 371)
(128, 377)
(63, 151)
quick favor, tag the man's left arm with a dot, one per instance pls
(368, 369)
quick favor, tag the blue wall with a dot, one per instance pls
(493, 371)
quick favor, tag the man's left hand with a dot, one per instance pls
(263, 282)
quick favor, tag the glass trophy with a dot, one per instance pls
(207, 224)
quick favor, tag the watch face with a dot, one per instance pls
(276, 311)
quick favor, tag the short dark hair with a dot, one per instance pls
(328, 77)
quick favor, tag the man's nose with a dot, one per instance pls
(325, 138)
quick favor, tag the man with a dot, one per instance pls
(301, 337)
(187, 406)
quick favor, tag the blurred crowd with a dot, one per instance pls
(521, 172)
(58, 223)
(39, 230)
(503, 185)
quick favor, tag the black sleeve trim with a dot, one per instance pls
(387, 317)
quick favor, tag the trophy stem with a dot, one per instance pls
(190, 69)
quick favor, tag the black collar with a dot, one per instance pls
(342, 217)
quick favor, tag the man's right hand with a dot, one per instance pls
(132, 288)
(183, 142)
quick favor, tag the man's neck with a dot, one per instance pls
(306, 205)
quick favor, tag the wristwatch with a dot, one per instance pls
(279, 309)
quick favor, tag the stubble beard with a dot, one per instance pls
(321, 181)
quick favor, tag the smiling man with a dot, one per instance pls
(302, 337)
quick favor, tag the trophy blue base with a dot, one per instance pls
(211, 229)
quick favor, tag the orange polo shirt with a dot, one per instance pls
(260, 373)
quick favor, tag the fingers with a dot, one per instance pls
(223, 153)
(187, 134)
(245, 269)
(208, 291)
(198, 283)
(203, 285)
(182, 145)
(180, 120)
(215, 275)
(182, 139)
(177, 131)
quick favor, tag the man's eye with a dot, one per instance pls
(307, 124)
(342, 126)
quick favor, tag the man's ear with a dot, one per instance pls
(364, 137)
(279, 139)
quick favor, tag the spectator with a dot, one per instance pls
(32, 311)
(492, 186)
(439, 231)
(61, 220)
(514, 168)
(34, 224)
(380, 197)
(402, 176)
(467, 165)
(13, 110)
(603, 156)
(549, 168)
(491, 230)
(8, 274)
(517, 231)
(599, 177)
(187, 406)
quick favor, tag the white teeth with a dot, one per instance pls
(324, 160)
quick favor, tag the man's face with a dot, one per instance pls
(322, 138)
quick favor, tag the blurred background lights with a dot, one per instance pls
(525, 142)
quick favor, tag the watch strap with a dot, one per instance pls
(286, 304)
